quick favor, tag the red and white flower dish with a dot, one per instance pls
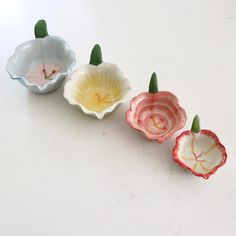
(201, 153)
(158, 116)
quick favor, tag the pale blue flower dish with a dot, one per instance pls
(41, 64)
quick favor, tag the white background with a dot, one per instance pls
(63, 173)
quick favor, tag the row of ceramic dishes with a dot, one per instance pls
(98, 88)
(42, 64)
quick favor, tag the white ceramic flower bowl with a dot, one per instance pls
(97, 90)
(201, 153)
(41, 64)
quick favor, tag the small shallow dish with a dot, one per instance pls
(41, 64)
(97, 89)
(199, 151)
(157, 114)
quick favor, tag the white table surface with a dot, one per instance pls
(63, 173)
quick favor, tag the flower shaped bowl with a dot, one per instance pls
(156, 115)
(97, 90)
(41, 64)
(201, 153)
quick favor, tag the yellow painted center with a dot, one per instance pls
(97, 93)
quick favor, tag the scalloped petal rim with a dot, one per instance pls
(83, 73)
(209, 134)
(52, 84)
(158, 116)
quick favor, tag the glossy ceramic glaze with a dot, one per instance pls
(157, 115)
(41, 64)
(201, 153)
(97, 90)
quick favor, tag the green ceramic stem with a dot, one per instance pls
(196, 125)
(40, 29)
(96, 55)
(153, 87)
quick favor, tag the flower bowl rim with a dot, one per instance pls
(99, 115)
(208, 133)
(41, 88)
(162, 138)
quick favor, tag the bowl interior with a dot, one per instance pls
(98, 90)
(40, 60)
(157, 115)
(200, 153)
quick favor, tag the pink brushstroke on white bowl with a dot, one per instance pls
(199, 151)
(158, 116)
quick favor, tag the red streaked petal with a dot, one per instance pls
(162, 105)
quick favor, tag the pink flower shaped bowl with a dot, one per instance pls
(157, 115)
(199, 151)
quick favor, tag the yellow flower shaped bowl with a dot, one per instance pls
(97, 90)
